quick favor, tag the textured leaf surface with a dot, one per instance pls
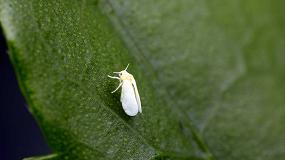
(210, 76)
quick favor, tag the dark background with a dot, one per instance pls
(20, 135)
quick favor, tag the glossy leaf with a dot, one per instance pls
(210, 76)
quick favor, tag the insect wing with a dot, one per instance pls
(137, 95)
(128, 98)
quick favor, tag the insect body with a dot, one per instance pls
(130, 97)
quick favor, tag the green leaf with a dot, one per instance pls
(210, 76)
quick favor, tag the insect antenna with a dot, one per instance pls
(127, 67)
(117, 72)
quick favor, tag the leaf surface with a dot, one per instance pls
(210, 76)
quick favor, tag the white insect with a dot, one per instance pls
(130, 97)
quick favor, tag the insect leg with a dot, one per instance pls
(117, 87)
(114, 77)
